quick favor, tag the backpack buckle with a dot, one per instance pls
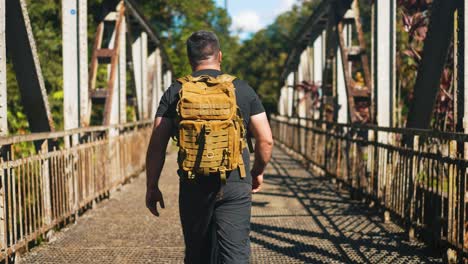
(222, 174)
(190, 175)
(207, 129)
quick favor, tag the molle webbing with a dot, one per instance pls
(211, 130)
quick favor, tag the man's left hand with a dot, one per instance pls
(154, 196)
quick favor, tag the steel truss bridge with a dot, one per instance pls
(347, 184)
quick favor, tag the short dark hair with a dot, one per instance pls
(202, 45)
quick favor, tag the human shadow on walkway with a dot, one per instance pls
(346, 231)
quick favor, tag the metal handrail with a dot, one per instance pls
(424, 184)
(14, 139)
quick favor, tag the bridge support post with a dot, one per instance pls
(384, 62)
(342, 92)
(154, 67)
(167, 78)
(159, 87)
(118, 95)
(3, 121)
(75, 62)
(3, 84)
(46, 192)
(140, 54)
(465, 72)
(317, 68)
(122, 74)
(290, 94)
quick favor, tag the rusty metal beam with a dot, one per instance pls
(21, 47)
(3, 83)
(134, 11)
(434, 54)
(312, 28)
(111, 107)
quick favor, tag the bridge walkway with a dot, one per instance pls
(297, 218)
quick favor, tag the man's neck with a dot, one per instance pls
(207, 67)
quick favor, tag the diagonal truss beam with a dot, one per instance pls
(313, 28)
(436, 47)
(21, 48)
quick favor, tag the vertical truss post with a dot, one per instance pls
(83, 59)
(136, 62)
(167, 78)
(3, 83)
(463, 107)
(317, 66)
(318, 60)
(342, 92)
(384, 60)
(3, 121)
(155, 69)
(75, 62)
(358, 91)
(144, 75)
(46, 190)
(140, 54)
(282, 100)
(110, 95)
(22, 50)
(158, 76)
(152, 84)
(330, 52)
(464, 75)
(290, 94)
(112, 108)
(303, 74)
(122, 74)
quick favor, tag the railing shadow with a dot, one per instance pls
(347, 231)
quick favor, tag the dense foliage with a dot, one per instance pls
(259, 60)
(176, 20)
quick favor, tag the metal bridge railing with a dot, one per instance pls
(423, 182)
(41, 190)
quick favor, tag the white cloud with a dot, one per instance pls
(246, 21)
(284, 5)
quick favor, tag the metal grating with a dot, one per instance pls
(297, 218)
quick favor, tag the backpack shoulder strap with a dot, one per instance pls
(225, 78)
(185, 79)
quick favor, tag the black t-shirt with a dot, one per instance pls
(247, 100)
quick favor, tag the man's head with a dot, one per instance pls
(203, 50)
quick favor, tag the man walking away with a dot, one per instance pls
(216, 181)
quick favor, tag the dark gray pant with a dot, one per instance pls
(215, 220)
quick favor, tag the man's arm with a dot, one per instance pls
(261, 131)
(155, 158)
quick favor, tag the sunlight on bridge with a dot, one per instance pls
(367, 101)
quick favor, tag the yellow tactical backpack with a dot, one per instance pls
(211, 131)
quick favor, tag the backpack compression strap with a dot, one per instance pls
(220, 79)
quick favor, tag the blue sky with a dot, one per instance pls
(249, 16)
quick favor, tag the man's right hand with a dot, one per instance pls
(153, 196)
(257, 181)
(261, 130)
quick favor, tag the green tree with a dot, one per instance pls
(261, 59)
(176, 20)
